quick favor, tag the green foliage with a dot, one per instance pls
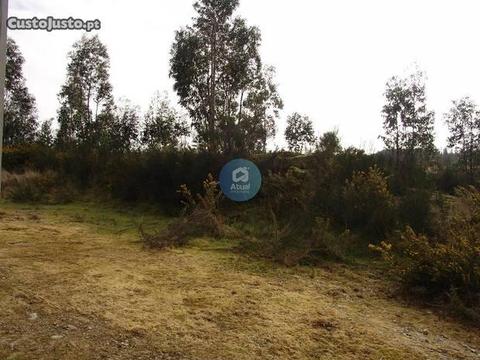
(415, 210)
(463, 121)
(20, 109)
(368, 204)
(151, 176)
(408, 124)
(449, 179)
(86, 97)
(257, 115)
(327, 243)
(439, 267)
(329, 143)
(45, 136)
(154, 176)
(297, 236)
(164, 127)
(29, 157)
(220, 80)
(281, 232)
(299, 132)
(447, 263)
(119, 132)
(285, 191)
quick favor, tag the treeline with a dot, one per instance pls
(230, 112)
(229, 108)
(87, 117)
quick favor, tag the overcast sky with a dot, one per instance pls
(332, 57)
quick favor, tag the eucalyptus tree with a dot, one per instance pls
(463, 121)
(219, 77)
(329, 143)
(299, 132)
(20, 114)
(86, 101)
(164, 126)
(120, 130)
(408, 124)
(45, 136)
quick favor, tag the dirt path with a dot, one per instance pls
(76, 285)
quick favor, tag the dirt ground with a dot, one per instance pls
(75, 283)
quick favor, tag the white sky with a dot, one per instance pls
(332, 57)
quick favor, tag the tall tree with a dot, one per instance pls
(120, 130)
(463, 121)
(20, 110)
(164, 126)
(220, 80)
(299, 132)
(45, 135)
(86, 101)
(329, 143)
(408, 124)
(258, 114)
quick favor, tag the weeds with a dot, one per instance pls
(445, 265)
(33, 186)
(200, 217)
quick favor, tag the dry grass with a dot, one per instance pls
(76, 284)
(33, 186)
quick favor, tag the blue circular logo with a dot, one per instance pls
(240, 180)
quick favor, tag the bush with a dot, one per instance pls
(449, 179)
(291, 230)
(447, 264)
(156, 175)
(200, 217)
(326, 243)
(33, 186)
(415, 210)
(287, 231)
(368, 204)
(29, 156)
(441, 267)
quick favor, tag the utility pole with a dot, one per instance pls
(3, 60)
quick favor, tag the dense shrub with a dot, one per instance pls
(291, 229)
(33, 186)
(367, 203)
(415, 210)
(156, 175)
(446, 264)
(287, 199)
(286, 191)
(29, 157)
(441, 267)
(449, 179)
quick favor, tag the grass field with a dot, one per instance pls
(75, 283)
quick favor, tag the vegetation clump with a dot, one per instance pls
(368, 203)
(445, 265)
(34, 186)
(200, 217)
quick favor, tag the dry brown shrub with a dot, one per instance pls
(34, 186)
(200, 217)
